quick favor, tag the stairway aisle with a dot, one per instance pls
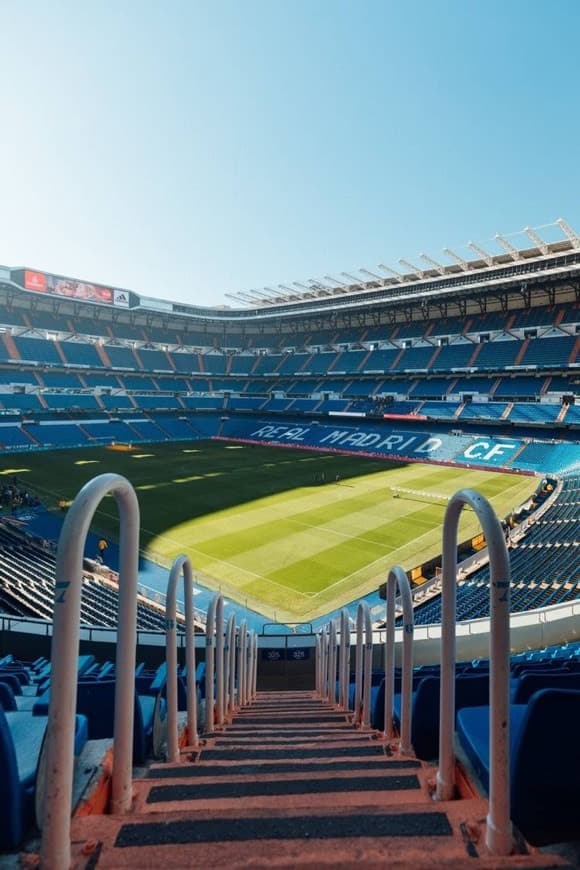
(289, 784)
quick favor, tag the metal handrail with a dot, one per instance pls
(181, 564)
(499, 829)
(55, 847)
(397, 577)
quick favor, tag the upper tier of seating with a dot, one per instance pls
(228, 337)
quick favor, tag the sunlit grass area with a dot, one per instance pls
(295, 532)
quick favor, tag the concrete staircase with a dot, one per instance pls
(291, 784)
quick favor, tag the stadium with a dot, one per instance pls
(285, 453)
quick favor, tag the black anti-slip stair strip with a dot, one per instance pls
(433, 824)
(290, 720)
(221, 790)
(276, 767)
(290, 754)
(234, 730)
(290, 741)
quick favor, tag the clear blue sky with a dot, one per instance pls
(186, 149)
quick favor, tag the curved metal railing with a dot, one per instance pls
(56, 817)
(499, 829)
(397, 577)
(180, 565)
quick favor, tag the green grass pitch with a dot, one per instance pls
(257, 523)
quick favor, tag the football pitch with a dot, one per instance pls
(293, 534)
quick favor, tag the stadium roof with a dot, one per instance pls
(499, 251)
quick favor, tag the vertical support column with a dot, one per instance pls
(55, 846)
(181, 563)
(397, 577)
(499, 837)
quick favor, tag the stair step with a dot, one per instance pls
(251, 788)
(277, 767)
(181, 832)
(291, 754)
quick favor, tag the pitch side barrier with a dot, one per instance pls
(384, 442)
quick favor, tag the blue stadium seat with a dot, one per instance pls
(470, 691)
(544, 772)
(21, 737)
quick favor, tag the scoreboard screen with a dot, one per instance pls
(54, 285)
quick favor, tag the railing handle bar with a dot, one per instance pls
(181, 564)
(358, 666)
(397, 577)
(210, 664)
(219, 662)
(55, 846)
(499, 837)
(368, 666)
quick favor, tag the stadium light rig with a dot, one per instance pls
(507, 246)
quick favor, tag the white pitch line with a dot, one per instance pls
(370, 564)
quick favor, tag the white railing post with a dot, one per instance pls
(325, 654)
(232, 690)
(230, 636)
(249, 666)
(210, 664)
(341, 651)
(254, 666)
(242, 663)
(219, 663)
(55, 847)
(345, 664)
(332, 663)
(319, 664)
(499, 838)
(397, 577)
(181, 563)
(358, 665)
(368, 667)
